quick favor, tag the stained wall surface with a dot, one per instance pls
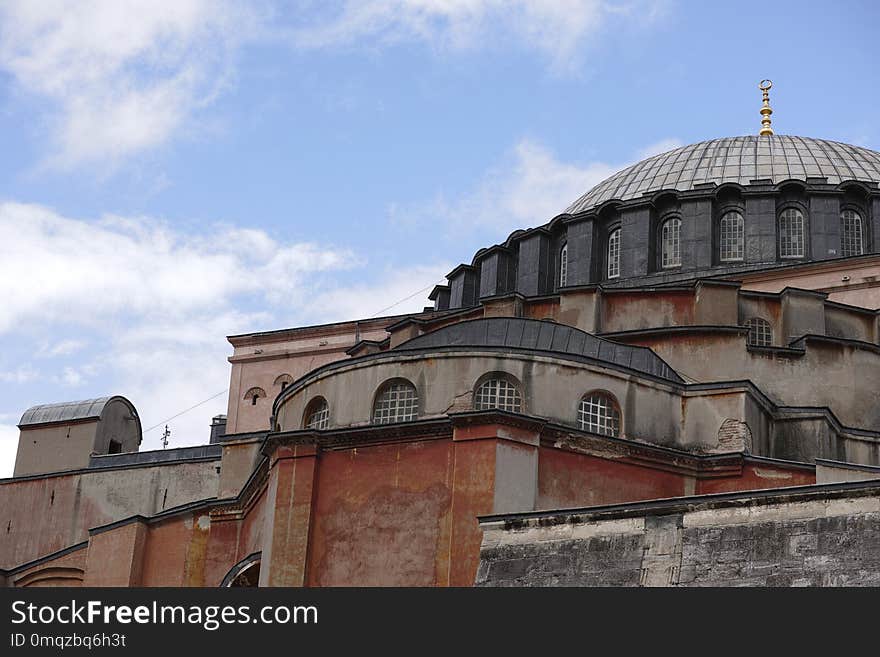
(787, 541)
(43, 514)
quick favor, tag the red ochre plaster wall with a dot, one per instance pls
(393, 514)
(755, 476)
(569, 480)
(383, 515)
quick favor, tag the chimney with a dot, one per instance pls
(218, 428)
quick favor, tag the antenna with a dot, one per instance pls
(765, 86)
(165, 436)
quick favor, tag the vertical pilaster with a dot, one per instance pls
(290, 501)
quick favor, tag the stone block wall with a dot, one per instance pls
(807, 536)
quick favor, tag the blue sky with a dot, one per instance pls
(175, 172)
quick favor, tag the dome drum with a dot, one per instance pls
(805, 201)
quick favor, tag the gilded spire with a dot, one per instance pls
(765, 86)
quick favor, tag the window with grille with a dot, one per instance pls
(397, 402)
(670, 243)
(317, 414)
(614, 253)
(732, 237)
(851, 243)
(760, 332)
(563, 266)
(498, 393)
(791, 234)
(599, 413)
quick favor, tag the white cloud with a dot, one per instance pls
(64, 347)
(157, 305)
(8, 447)
(55, 268)
(557, 28)
(123, 76)
(529, 187)
(658, 147)
(21, 374)
(73, 377)
(397, 292)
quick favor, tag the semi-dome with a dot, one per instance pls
(736, 160)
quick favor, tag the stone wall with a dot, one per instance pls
(825, 535)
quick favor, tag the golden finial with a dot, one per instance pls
(765, 87)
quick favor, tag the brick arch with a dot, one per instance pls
(256, 390)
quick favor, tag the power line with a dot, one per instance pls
(204, 401)
(397, 303)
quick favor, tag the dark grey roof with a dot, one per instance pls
(195, 453)
(738, 160)
(65, 411)
(539, 335)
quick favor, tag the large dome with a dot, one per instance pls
(737, 160)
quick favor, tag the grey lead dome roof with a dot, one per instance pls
(738, 160)
(541, 335)
(65, 411)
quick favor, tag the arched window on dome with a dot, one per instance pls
(791, 233)
(851, 234)
(598, 412)
(499, 391)
(317, 415)
(670, 243)
(563, 265)
(397, 401)
(613, 269)
(760, 332)
(732, 237)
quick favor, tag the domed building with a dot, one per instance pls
(673, 382)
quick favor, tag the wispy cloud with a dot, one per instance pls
(121, 76)
(58, 268)
(8, 447)
(393, 292)
(158, 303)
(118, 78)
(559, 29)
(64, 347)
(529, 186)
(658, 147)
(24, 373)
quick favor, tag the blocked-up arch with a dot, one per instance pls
(253, 394)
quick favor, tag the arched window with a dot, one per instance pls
(760, 332)
(563, 265)
(791, 233)
(253, 394)
(599, 413)
(851, 243)
(317, 415)
(670, 243)
(498, 392)
(614, 253)
(732, 234)
(397, 401)
(283, 380)
(245, 573)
